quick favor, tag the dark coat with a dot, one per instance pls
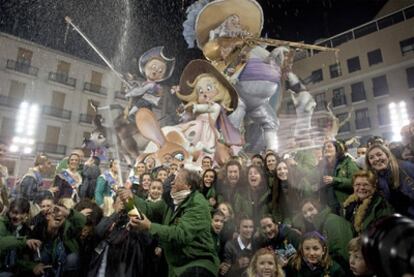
(334, 270)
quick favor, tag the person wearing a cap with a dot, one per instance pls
(155, 67)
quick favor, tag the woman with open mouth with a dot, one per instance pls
(14, 245)
(253, 198)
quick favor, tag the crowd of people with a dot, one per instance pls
(267, 215)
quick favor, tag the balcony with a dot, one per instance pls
(62, 78)
(120, 95)
(51, 148)
(57, 112)
(22, 67)
(86, 118)
(10, 102)
(95, 89)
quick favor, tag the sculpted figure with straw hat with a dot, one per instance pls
(228, 33)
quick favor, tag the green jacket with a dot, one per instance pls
(342, 179)
(8, 241)
(184, 234)
(377, 207)
(244, 204)
(337, 230)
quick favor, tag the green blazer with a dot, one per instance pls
(184, 233)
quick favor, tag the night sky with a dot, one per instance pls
(159, 22)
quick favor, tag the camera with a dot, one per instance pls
(388, 246)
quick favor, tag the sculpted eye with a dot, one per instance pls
(209, 87)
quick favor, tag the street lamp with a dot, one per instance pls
(24, 134)
(399, 118)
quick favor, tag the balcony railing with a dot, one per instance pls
(86, 118)
(9, 101)
(120, 95)
(56, 112)
(51, 148)
(95, 88)
(62, 78)
(22, 67)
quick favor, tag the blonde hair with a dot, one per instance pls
(393, 164)
(252, 269)
(223, 96)
(355, 245)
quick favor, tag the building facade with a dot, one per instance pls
(375, 66)
(63, 86)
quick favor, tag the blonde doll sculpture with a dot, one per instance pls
(208, 97)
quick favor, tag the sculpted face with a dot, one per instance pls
(155, 70)
(206, 89)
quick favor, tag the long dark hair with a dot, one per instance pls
(213, 185)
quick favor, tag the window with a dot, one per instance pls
(317, 76)
(358, 92)
(338, 98)
(335, 70)
(353, 64)
(24, 56)
(63, 68)
(409, 12)
(365, 30)
(390, 20)
(342, 39)
(320, 101)
(7, 128)
(374, 57)
(347, 126)
(380, 86)
(17, 90)
(410, 77)
(383, 114)
(362, 120)
(407, 46)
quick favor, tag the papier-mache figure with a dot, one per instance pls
(220, 29)
(208, 98)
(155, 67)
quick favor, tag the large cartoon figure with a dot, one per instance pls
(208, 97)
(256, 73)
(156, 68)
(227, 31)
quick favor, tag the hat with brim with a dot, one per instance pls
(214, 14)
(156, 53)
(198, 67)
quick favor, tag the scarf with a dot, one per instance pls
(179, 196)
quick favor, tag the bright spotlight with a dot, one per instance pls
(399, 118)
(13, 148)
(27, 150)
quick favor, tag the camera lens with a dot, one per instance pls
(388, 246)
